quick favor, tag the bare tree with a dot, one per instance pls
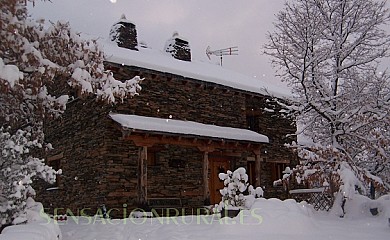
(37, 66)
(329, 52)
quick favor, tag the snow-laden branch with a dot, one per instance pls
(328, 51)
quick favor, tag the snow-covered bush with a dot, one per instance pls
(235, 184)
(360, 207)
(39, 225)
(18, 168)
(39, 67)
(330, 168)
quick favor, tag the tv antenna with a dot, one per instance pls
(222, 52)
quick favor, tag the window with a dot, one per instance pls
(277, 170)
(152, 158)
(55, 163)
(253, 122)
(251, 170)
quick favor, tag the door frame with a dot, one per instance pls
(214, 162)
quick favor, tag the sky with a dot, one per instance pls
(217, 23)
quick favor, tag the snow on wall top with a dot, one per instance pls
(186, 127)
(150, 59)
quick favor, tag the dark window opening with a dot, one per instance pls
(277, 170)
(253, 122)
(152, 158)
(56, 165)
(251, 171)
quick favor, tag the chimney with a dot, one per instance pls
(178, 48)
(124, 34)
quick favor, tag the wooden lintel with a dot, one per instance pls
(208, 145)
(141, 141)
(257, 151)
(206, 149)
(56, 157)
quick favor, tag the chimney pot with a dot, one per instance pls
(124, 33)
(178, 47)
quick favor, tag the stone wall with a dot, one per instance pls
(79, 138)
(184, 99)
(177, 174)
(99, 167)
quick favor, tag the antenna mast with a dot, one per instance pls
(222, 52)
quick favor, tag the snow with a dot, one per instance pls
(159, 61)
(307, 190)
(186, 127)
(10, 73)
(39, 227)
(350, 181)
(270, 219)
(123, 19)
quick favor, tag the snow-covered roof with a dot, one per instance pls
(157, 60)
(186, 127)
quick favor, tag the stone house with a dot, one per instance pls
(166, 146)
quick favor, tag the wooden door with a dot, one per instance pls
(217, 165)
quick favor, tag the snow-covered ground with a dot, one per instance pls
(268, 219)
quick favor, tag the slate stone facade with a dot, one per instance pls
(100, 167)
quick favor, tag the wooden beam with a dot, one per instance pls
(56, 157)
(206, 190)
(209, 144)
(258, 168)
(206, 148)
(143, 176)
